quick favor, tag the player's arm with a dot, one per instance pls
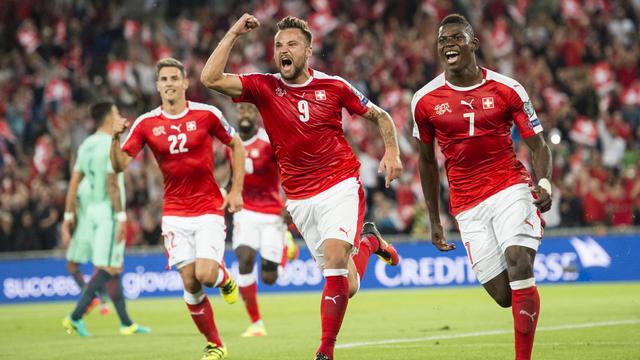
(213, 75)
(541, 158)
(390, 164)
(119, 158)
(113, 189)
(233, 200)
(69, 217)
(430, 181)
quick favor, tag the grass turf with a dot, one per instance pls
(424, 321)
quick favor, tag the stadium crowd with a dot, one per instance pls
(576, 58)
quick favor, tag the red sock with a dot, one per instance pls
(525, 307)
(250, 296)
(368, 245)
(225, 276)
(202, 315)
(333, 306)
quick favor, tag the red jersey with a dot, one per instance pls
(183, 146)
(261, 192)
(473, 128)
(304, 124)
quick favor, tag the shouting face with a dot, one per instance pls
(456, 46)
(292, 53)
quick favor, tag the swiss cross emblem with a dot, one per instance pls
(191, 125)
(321, 95)
(442, 108)
(158, 130)
(254, 153)
(487, 103)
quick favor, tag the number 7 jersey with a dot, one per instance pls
(183, 147)
(473, 128)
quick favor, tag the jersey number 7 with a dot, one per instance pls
(471, 117)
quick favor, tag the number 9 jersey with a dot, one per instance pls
(473, 128)
(183, 147)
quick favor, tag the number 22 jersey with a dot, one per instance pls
(183, 147)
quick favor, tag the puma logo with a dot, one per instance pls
(176, 127)
(201, 312)
(532, 316)
(526, 221)
(326, 297)
(469, 104)
(346, 232)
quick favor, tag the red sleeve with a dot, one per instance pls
(422, 127)
(220, 128)
(522, 112)
(135, 140)
(353, 100)
(250, 88)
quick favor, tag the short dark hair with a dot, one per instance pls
(100, 110)
(458, 19)
(169, 62)
(292, 22)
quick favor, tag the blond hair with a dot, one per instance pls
(170, 62)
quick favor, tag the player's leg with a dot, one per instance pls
(518, 227)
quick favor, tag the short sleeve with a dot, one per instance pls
(423, 129)
(353, 100)
(220, 128)
(523, 113)
(135, 140)
(250, 88)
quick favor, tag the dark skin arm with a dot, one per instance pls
(430, 181)
(541, 158)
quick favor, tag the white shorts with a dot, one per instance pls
(261, 232)
(336, 213)
(505, 219)
(189, 238)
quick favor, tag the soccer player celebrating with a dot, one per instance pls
(259, 225)
(80, 243)
(470, 111)
(180, 134)
(301, 110)
(106, 220)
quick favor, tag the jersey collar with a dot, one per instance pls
(297, 85)
(467, 88)
(177, 116)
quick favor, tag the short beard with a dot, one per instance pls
(296, 72)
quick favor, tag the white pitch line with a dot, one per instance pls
(486, 333)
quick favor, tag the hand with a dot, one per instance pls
(543, 199)
(66, 231)
(245, 24)
(121, 231)
(120, 125)
(391, 166)
(438, 240)
(286, 216)
(233, 201)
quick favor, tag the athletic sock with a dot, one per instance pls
(333, 306)
(368, 245)
(104, 297)
(78, 277)
(222, 278)
(114, 287)
(96, 284)
(202, 315)
(249, 292)
(525, 307)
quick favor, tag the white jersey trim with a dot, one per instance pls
(321, 75)
(200, 106)
(432, 85)
(279, 77)
(522, 93)
(153, 113)
(176, 116)
(260, 135)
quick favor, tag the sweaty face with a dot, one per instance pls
(247, 116)
(291, 53)
(171, 84)
(455, 46)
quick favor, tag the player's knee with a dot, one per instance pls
(191, 285)
(206, 278)
(269, 271)
(245, 267)
(336, 259)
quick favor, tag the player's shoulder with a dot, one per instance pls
(149, 115)
(262, 135)
(507, 84)
(433, 85)
(197, 106)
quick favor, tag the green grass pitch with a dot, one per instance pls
(576, 322)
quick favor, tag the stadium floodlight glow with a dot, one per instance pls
(554, 136)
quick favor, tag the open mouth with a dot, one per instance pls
(286, 64)
(452, 56)
(170, 91)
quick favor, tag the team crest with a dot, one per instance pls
(487, 103)
(158, 130)
(191, 125)
(442, 108)
(321, 95)
(280, 92)
(528, 109)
